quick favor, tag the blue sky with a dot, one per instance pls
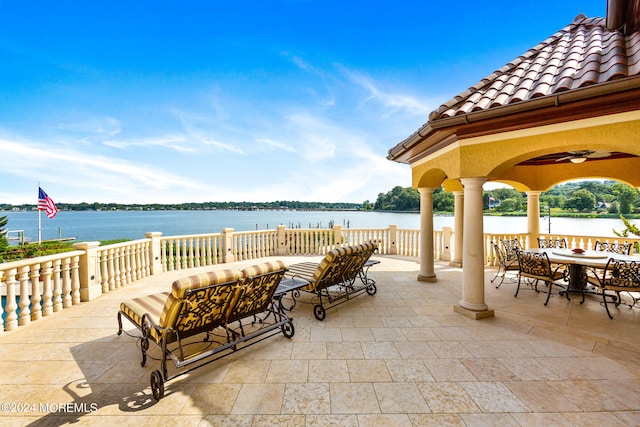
(192, 101)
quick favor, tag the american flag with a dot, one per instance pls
(46, 204)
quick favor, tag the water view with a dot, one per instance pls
(106, 225)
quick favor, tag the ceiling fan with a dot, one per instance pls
(582, 155)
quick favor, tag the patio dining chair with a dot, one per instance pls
(511, 248)
(617, 276)
(536, 267)
(543, 242)
(616, 248)
(504, 264)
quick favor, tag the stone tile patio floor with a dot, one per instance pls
(400, 358)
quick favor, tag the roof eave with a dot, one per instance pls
(401, 152)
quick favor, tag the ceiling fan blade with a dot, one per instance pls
(598, 154)
(565, 158)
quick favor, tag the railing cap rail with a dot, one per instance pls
(123, 244)
(39, 260)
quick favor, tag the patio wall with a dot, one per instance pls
(37, 287)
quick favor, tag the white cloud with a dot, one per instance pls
(270, 143)
(99, 174)
(104, 127)
(171, 142)
(394, 102)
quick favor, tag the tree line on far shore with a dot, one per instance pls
(610, 197)
(584, 197)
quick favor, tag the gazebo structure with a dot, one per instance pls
(568, 108)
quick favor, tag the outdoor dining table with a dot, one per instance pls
(578, 262)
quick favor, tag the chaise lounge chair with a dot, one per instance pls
(334, 279)
(200, 320)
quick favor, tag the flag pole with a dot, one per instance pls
(39, 220)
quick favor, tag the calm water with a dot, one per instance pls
(105, 225)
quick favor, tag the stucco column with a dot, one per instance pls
(533, 217)
(472, 303)
(458, 227)
(155, 253)
(87, 269)
(427, 270)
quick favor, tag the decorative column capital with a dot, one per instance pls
(473, 183)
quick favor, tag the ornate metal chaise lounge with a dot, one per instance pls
(333, 280)
(200, 320)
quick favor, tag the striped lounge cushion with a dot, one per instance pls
(138, 307)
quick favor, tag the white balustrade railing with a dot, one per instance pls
(310, 241)
(356, 236)
(193, 250)
(122, 263)
(254, 244)
(37, 287)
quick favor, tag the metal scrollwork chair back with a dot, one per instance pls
(511, 248)
(552, 243)
(536, 266)
(618, 276)
(616, 248)
(504, 264)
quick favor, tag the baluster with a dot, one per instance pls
(180, 255)
(212, 250)
(75, 280)
(257, 245)
(173, 248)
(139, 265)
(185, 254)
(104, 271)
(36, 306)
(135, 266)
(66, 283)
(146, 261)
(198, 261)
(111, 269)
(140, 254)
(11, 318)
(208, 252)
(163, 254)
(23, 278)
(117, 258)
(57, 286)
(47, 293)
(127, 264)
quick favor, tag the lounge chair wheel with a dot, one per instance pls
(157, 385)
(371, 289)
(288, 330)
(319, 312)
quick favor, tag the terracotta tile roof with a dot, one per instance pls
(582, 54)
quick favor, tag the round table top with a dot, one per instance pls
(585, 254)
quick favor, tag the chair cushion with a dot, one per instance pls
(266, 267)
(137, 307)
